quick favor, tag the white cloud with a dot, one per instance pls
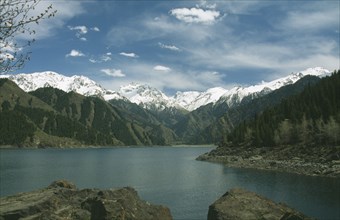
(82, 30)
(169, 47)
(282, 57)
(205, 4)
(103, 58)
(75, 53)
(163, 26)
(7, 51)
(79, 29)
(113, 72)
(6, 57)
(9, 47)
(311, 20)
(95, 29)
(195, 15)
(133, 55)
(161, 68)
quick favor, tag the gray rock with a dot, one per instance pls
(62, 200)
(240, 204)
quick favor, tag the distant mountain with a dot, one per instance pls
(152, 98)
(209, 123)
(310, 118)
(51, 117)
(192, 100)
(146, 96)
(235, 95)
(249, 108)
(79, 84)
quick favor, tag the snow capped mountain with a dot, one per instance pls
(186, 99)
(237, 94)
(193, 100)
(152, 98)
(78, 84)
(146, 96)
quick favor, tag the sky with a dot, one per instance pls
(177, 45)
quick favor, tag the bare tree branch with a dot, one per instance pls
(16, 17)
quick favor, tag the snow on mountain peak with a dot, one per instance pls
(146, 96)
(316, 71)
(152, 98)
(192, 100)
(78, 84)
(236, 95)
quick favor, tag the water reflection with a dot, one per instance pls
(316, 196)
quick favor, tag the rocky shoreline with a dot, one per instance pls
(312, 161)
(62, 200)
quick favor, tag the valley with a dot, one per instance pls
(76, 111)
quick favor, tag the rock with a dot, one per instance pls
(256, 157)
(62, 200)
(240, 204)
(62, 184)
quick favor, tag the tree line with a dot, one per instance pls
(309, 118)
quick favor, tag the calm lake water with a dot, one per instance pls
(164, 175)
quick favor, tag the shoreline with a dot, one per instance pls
(270, 160)
(193, 145)
(9, 147)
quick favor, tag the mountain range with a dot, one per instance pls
(49, 109)
(152, 98)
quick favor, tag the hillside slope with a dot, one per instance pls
(301, 134)
(209, 123)
(69, 119)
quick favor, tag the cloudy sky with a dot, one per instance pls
(186, 45)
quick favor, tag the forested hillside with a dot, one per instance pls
(225, 121)
(309, 118)
(51, 117)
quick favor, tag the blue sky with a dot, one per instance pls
(186, 45)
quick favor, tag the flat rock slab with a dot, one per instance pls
(62, 200)
(239, 204)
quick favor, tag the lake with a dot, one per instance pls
(164, 175)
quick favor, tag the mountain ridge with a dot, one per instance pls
(152, 98)
(94, 121)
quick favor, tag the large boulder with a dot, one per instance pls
(62, 200)
(239, 204)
